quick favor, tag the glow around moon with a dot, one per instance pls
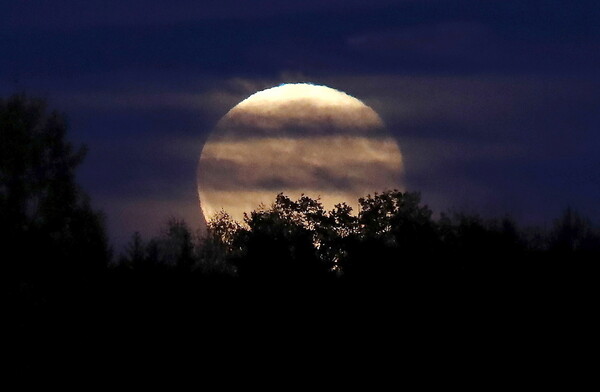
(297, 139)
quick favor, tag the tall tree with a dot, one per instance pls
(46, 221)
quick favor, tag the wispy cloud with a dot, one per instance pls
(452, 39)
(473, 141)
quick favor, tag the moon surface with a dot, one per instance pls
(297, 139)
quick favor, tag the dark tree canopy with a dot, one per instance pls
(46, 220)
(392, 236)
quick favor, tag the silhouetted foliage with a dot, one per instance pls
(295, 271)
(289, 271)
(394, 230)
(46, 222)
(475, 239)
(53, 243)
(280, 242)
(392, 236)
(175, 248)
(397, 219)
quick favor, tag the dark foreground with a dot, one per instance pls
(452, 299)
(517, 317)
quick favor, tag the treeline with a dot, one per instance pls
(291, 278)
(48, 228)
(393, 232)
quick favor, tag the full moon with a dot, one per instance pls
(296, 139)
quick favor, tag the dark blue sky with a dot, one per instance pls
(494, 103)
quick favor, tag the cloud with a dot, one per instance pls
(297, 137)
(452, 38)
(448, 126)
(315, 163)
(319, 166)
(202, 102)
(202, 94)
(471, 106)
(301, 105)
(488, 142)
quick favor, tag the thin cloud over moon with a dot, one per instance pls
(296, 138)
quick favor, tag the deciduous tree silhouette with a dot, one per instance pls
(394, 232)
(46, 221)
(396, 218)
(220, 245)
(469, 236)
(322, 263)
(280, 241)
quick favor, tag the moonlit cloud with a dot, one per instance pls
(448, 127)
(296, 139)
(320, 163)
(493, 103)
(308, 108)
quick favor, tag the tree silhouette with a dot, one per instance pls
(299, 239)
(135, 256)
(315, 264)
(220, 245)
(280, 243)
(397, 219)
(394, 231)
(573, 233)
(178, 246)
(393, 238)
(46, 221)
(174, 248)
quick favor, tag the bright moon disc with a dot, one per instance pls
(297, 139)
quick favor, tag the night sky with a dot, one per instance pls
(494, 103)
